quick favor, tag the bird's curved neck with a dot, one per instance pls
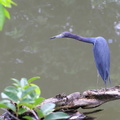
(83, 39)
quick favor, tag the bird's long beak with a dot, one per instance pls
(53, 37)
(57, 36)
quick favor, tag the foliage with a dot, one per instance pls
(4, 12)
(47, 111)
(24, 93)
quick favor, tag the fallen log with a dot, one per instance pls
(70, 103)
(87, 100)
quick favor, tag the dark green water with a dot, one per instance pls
(64, 65)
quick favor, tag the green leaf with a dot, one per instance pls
(5, 101)
(11, 89)
(22, 110)
(6, 3)
(37, 90)
(38, 101)
(6, 104)
(10, 96)
(33, 78)
(29, 118)
(17, 82)
(23, 82)
(11, 106)
(39, 113)
(30, 106)
(27, 91)
(57, 115)
(2, 16)
(19, 93)
(32, 95)
(2, 105)
(27, 100)
(16, 85)
(47, 108)
(12, 2)
(6, 13)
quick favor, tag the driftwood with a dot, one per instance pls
(87, 100)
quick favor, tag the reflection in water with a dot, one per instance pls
(15, 33)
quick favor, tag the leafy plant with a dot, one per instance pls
(4, 12)
(24, 96)
(22, 93)
(47, 111)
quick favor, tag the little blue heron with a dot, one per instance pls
(100, 49)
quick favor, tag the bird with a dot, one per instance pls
(101, 53)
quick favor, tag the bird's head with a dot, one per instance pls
(62, 35)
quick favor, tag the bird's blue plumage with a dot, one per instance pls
(100, 50)
(102, 58)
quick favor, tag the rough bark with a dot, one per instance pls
(87, 100)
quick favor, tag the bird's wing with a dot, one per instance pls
(102, 57)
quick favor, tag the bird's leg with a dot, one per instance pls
(106, 83)
(97, 78)
(110, 82)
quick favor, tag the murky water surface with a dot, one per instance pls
(64, 65)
